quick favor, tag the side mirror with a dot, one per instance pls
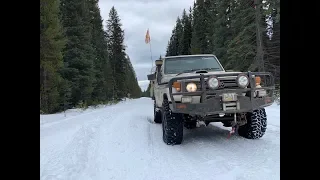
(151, 77)
(158, 62)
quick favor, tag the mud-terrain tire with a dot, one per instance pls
(256, 125)
(157, 114)
(172, 125)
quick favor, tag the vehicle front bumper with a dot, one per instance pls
(214, 104)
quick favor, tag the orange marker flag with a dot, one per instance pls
(147, 40)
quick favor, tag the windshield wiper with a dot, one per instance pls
(209, 68)
(187, 71)
(191, 70)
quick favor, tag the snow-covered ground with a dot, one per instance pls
(120, 142)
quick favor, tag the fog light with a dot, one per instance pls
(191, 87)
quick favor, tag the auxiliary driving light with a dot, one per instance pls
(191, 87)
(242, 80)
(213, 82)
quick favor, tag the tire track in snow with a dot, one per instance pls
(150, 140)
(112, 122)
(238, 149)
(73, 158)
(48, 124)
(167, 159)
(118, 144)
(70, 161)
(123, 144)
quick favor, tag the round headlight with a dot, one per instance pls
(213, 82)
(191, 87)
(242, 80)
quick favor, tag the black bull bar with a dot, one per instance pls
(214, 105)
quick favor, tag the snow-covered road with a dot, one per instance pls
(120, 142)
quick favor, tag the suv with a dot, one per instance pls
(190, 90)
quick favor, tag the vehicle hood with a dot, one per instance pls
(167, 77)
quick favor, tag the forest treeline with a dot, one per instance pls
(243, 34)
(81, 62)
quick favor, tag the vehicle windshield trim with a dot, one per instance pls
(182, 58)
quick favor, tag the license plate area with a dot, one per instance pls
(186, 99)
(229, 97)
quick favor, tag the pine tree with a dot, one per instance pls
(228, 29)
(199, 41)
(116, 51)
(189, 37)
(211, 18)
(132, 86)
(172, 45)
(178, 36)
(168, 49)
(271, 38)
(176, 40)
(185, 45)
(146, 93)
(242, 48)
(103, 74)
(75, 67)
(51, 45)
(79, 54)
(221, 29)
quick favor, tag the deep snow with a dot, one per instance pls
(120, 142)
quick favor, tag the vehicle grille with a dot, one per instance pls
(228, 83)
(224, 83)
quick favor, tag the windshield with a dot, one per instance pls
(189, 64)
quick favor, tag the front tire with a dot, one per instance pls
(172, 125)
(256, 125)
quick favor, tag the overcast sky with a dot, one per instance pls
(139, 15)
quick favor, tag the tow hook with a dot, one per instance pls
(233, 130)
(234, 126)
